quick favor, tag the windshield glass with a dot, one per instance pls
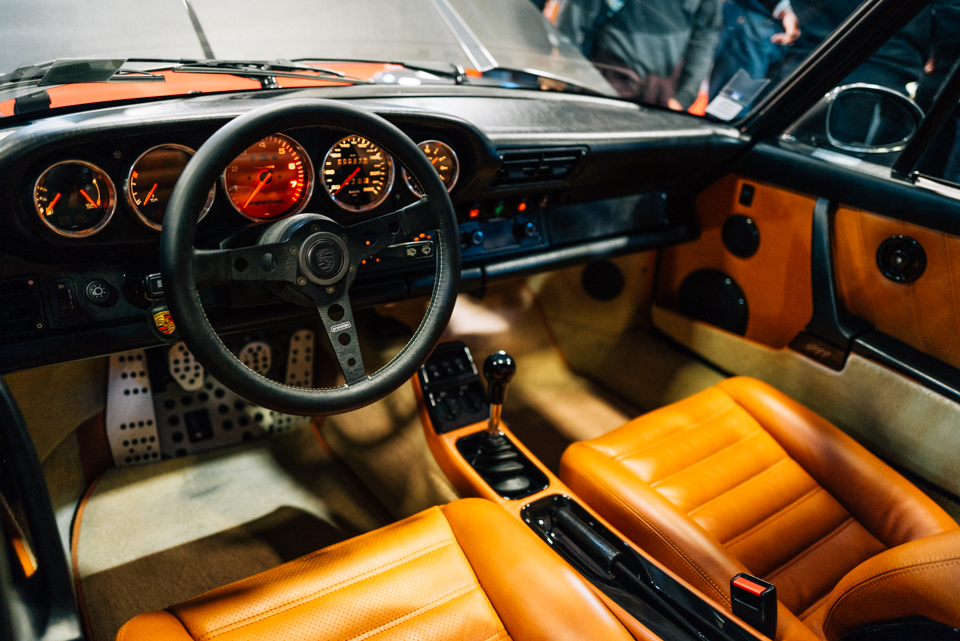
(713, 57)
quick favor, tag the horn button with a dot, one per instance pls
(324, 258)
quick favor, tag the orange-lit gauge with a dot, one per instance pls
(443, 159)
(151, 180)
(271, 179)
(357, 174)
(74, 198)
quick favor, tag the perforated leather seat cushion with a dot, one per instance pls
(467, 570)
(739, 478)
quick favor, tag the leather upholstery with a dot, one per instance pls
(741, 478)
(920, 578)
(467, 570)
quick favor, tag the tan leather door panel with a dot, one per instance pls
(775, 280)
(924, 314)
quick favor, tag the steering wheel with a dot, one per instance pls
(310, 256)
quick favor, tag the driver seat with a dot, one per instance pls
(465, 570)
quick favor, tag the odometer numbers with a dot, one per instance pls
(357, 174)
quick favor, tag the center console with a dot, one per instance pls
(481, 457)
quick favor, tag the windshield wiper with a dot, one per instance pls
(65, 72)
(264, 70)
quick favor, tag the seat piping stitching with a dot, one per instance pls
(740, 484)
(812, 548)
(648, 446)
(282, 607)
(446, 598)
(797, 502)
(707, 457)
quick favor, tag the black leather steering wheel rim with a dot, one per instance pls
(177, 255)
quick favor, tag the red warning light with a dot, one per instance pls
(522, 207)
(475, 212)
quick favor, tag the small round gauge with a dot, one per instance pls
(74, 198)
(271, 179)
(151, 179)
(357, 174)
(443, 159)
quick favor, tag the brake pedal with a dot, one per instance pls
(256, 356)
(130, 419)
(184, 368)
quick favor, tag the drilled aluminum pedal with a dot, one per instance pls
(184, 368)
(300, 359)
(130, 417)
(256, 356)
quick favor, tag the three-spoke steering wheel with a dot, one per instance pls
(309, 254)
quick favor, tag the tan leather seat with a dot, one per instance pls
(466, 570)
(740, 478)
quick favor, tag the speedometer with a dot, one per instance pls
(357, 174)
(270, 179)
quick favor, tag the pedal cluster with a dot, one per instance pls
(162, 404)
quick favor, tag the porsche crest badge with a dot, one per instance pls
(164, 322)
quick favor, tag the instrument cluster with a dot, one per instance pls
(272, 179)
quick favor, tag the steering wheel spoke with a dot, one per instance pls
(389, 229)
(276, 262)
(337, 317)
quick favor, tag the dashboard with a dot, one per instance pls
(538, 180)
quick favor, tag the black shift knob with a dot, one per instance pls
(498, 369)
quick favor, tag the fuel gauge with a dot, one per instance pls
(444, 161)
(74, 198)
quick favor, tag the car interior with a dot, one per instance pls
(342, 360)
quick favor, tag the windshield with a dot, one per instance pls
(708, 57)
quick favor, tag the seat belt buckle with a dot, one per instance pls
(755, 601)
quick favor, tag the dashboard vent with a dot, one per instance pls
(520, 167)
(20, 308)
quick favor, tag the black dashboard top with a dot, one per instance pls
(545, 180)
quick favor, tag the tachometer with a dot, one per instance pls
(74, 198)
(151, 180)
(271, 179)
(357, 174)
(443, 159)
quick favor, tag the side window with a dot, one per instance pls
(870, 118)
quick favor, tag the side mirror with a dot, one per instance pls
(870, 119)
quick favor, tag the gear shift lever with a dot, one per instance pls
(499, 369)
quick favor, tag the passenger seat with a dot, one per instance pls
(740, 478)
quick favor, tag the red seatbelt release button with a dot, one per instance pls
(755, 601)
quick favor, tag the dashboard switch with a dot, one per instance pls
(65, 304)
(153, 283)
(476, 238)
(99, 292)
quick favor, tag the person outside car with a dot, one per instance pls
(656, 51)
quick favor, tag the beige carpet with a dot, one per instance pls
(155, 535)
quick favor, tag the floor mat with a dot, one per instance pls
(155, 535)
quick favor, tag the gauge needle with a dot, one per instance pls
(153, 189)
(435, 160)
(349, 178)
(263, 181)
(52, 203)
(89, 199)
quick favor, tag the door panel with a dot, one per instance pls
(775, 280)
(925, 314)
